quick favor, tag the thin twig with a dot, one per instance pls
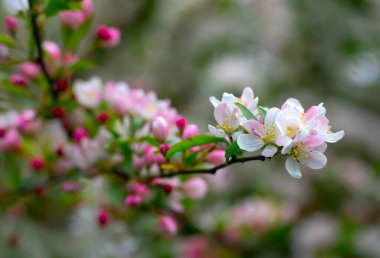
(38, 41)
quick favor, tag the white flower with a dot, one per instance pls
(89, 93)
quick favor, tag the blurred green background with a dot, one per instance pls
(315, 50)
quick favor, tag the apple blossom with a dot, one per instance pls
(89, 93)
(108, 36)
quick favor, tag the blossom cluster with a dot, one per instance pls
(300, 135)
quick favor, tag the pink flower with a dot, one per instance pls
(30, 70)
(140, 188)
(11, 140)
(190, 131)
(53, 50)
(18, 80)
(80, 134)
(227, 118)
(11, 24)
(133, 200)
(37, 163)
(108, 36)
(168, 224)
(70, 186)
(103, 217)
(117, 95)
(160, 128)
(217, 157)
(195, 188)
(89, 93)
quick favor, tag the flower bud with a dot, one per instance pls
(195, 188)
(181, 123)
(102, 117)
(11, 140)
(88, 8)
(30, 70)
(11, 24)
(4, 52)
(57, 112)
(160, 128)
(72, 19)
(62, 85)
(168, 224)
(190, 131)
(108, 36)
(133, 200)
(18, 80)
(217, 157)
(167, 188)
(139, 188)
(52, 49)
(103, 217)
(80, 134)
(164, 148)
(37, 163)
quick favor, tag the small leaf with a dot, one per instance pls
(262, 112)
(149, 140)
(82, 65)
(5, 40)
(127, 154)
(56, 6)
(195, 141)
(233, 150)
(246, 112)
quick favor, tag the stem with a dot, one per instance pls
(212, 170)
(38, 41)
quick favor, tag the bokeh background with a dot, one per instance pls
(318, 51)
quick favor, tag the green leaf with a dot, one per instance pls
(6, 40)
(82, 65)
(191, 157)
(127, 153)
(246, 112)
(262, 112)
(195, 141)
(149, 140)
(56, 6)
(233, 150)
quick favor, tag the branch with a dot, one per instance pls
(38, 41)
(212, 170)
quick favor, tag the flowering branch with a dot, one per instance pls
(215, 169)
(38, 41)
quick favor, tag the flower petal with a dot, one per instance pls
(220, 113)
(293, 167)
(269, 151)
(288, 147)
(216, 131)
(282, 140)
(333, 137)
(249, 142)
(247, 95)
(214, 101)
(255, 128)
(316, 160)
(271, 116)
(294, 103)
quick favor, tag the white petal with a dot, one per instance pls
(292, 102)
(214, 101)
(249, 142)
(333, 137)
(269, 151)
(322, 148)
(316, 160)
(293, 167)
(216, 131)
(288, 147)
(271, 116)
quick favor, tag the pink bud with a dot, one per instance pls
(164, 148)
(11, 24)
(139, 188)
(52, 49)
(168, 224)
(195, 188)
(190, 131)
(160, 128)
(18, 80)
(57, 112)
(103, 217)
(30, 70)
(72, 19)
(4, 52)
(88, 8)
(62, 85)
(217, 157)
(133, 200)
(108, 36)
(70, 186)
(11, 140)
(102, 117)
(181, 123)
(157, 181)
(79, 134)
(167, 188)
(37, 163)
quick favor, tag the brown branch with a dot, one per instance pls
(212, 170)
(38, 41)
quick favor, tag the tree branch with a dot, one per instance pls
(212, 170)
(38, 41)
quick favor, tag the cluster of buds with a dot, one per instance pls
(300, 135)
